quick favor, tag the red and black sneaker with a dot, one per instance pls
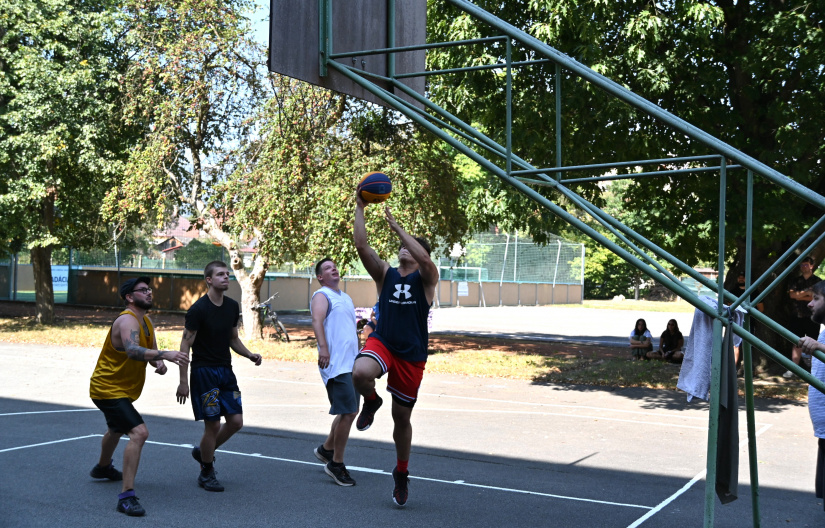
(368, 411)
(399, 494)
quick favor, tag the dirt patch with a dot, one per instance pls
(172, 321)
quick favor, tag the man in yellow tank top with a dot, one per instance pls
(118, 381)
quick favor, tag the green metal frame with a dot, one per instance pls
(643, 253)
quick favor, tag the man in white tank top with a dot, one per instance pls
(334, 324)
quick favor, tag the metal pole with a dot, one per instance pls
(556, 271)
(748, 364)
(582, 276)
(503, 264)
(508, 127)
(558, 119)
(14, 280)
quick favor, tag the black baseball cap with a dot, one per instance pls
(129, 286)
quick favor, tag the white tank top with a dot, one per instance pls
(340, 331)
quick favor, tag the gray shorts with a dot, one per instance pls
(342, 396)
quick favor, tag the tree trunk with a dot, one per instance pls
(41, 258)
(250, 297)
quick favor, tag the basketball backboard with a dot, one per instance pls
(357, 25)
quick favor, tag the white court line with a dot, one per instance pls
(49, 443)
(47, 412)
(686, 487)
(440, 481)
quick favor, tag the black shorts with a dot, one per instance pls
(342, 396)
(121, 416)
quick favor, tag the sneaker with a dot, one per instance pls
(368, 413)
(108, 472)
(324, 455)
(209, 481)
(339, 474)
(399, 494)
(788, 374)
(130, 506)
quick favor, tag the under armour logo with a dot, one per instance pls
(402, 289)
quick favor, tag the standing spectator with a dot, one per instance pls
(816, 400)
(117, 382)
(333, 322)
(671, 344)
(641, 342)
(211, 330)
(802, 324)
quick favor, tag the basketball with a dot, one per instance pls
(375, 187)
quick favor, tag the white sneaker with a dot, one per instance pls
(788, 374)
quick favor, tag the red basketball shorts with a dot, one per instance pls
(404, 377)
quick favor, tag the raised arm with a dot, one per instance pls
(426, 266)
(375, 266)
(319, 307)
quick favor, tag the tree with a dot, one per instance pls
(61, 139)
(749, 72)
(260, 159)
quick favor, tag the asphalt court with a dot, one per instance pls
(486, 452)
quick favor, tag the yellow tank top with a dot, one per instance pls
(117, 376)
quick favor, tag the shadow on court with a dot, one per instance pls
(273, 479)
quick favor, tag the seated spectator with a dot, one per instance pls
(641, 342)
(671, 344)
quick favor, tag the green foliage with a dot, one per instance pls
(299, 192)
(750, 73)
(196, 255)
(61, 141)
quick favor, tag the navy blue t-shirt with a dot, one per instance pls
(402, 327)
(214, 326)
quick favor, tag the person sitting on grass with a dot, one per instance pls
(641, 342)
(671, 344)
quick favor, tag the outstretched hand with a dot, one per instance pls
(391, 220)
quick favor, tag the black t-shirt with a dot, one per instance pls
(214, 326)
(670, 341)
(801, 284)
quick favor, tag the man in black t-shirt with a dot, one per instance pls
(211, 330)
(802, 325)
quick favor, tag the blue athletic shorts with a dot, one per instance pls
(342, 396)
(121, 416)
(214, 393)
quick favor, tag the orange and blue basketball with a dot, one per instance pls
(375, 187)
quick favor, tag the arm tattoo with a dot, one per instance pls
(133, 349)
(186, 334)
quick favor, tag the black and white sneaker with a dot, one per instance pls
(368, 411)
(324, 455)
(339, 474)
(399, 494)
(108, 472)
